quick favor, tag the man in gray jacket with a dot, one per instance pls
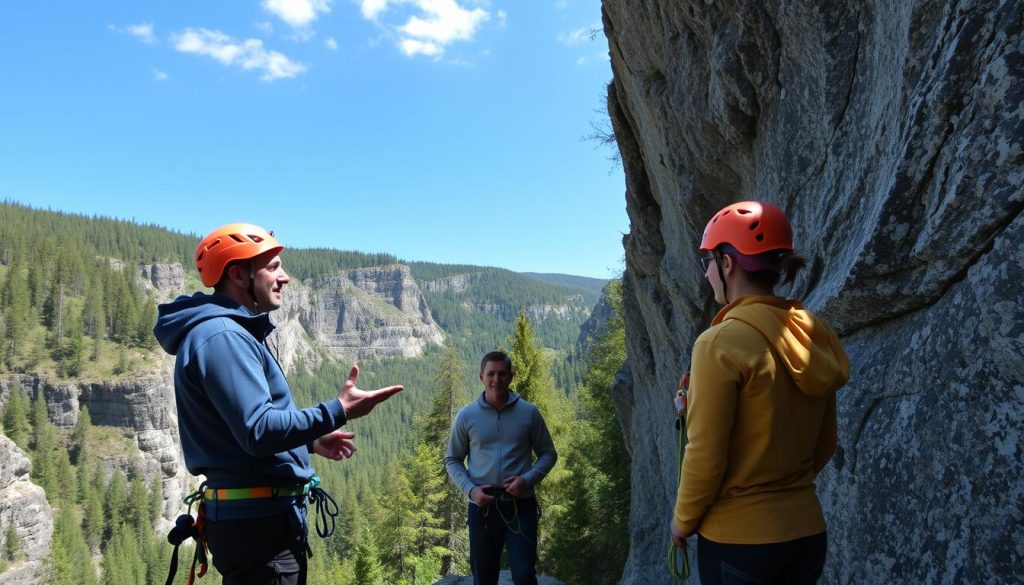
(498, 432)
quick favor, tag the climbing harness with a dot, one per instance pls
(500, 495)
(680, 568)
(186, 527)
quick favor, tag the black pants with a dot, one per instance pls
(796, 562)
(259, 551)
(505, 524)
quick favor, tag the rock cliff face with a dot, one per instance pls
(892, 133)
(142, 407)
(360, 313)
(23, 506)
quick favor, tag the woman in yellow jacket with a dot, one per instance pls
(761, 412)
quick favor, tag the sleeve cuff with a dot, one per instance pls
(337, 412)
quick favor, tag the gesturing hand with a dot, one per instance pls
(336, 445)
(358, 402)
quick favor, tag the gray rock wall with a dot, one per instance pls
(142, 408)
(892, 133)
(23, 505)
(366, 312)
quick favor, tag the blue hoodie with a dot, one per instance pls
(238, 424)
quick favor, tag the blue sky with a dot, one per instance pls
(440, 130)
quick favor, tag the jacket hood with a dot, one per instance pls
(807, 345)
(176, 318)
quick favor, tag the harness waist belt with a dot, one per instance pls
(251, 493)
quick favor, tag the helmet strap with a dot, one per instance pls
(252, 290)
(721, 276)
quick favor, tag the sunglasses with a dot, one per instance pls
(705, 261)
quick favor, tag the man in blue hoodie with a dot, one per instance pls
(504, 431)
(238, 424)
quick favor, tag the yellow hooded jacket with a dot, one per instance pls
(760, 423)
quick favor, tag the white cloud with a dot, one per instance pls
(562, 4)
(581, 61)
(331, 44)
(430, 26)
(143, 32)
(446, 22)
(248, 54)
(159, 75)
(372, 8)
(574, 37)
(413, 47)
(298, 13)
(265, 27)
(502, 18)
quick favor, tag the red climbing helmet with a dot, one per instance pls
(234, 241)
(751, 227)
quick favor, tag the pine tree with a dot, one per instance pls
(44, 461)
(70, 561)
(17, 315)
(94, 520)
(450, 507)
(123, 561)
(65, 483)
(586, 544)
(15, 417)
(533, 381)
(79, 450)
(367, 568)
(114, 503)
(12, 545)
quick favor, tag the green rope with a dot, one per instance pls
(679, 573)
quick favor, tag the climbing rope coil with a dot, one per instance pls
(678, 567)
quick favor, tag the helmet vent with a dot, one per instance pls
(754, 225)
(237, 238)
(743, 211)
(199, 258)
(759, 237)
(255, 238)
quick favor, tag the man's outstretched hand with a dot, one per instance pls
(358, 402)
(335, 445)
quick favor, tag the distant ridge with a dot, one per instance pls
(592, 284)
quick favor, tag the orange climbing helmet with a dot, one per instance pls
(234, 241)
(751, 227)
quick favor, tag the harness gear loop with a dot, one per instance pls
(680, 569)
(185, 527)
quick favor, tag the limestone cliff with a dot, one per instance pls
(892, 133)
(142, 408)
(359, 313)
(23, 506)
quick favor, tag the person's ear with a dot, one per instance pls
(239, 275)
(727, 263)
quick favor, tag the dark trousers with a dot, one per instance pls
(259, 551)
(796, 562)
(507, 523)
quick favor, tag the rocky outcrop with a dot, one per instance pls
(23, 506)
(893, 135)
(458, 283)
(596, 323)
(361, 313)
(142, 408)
(163, 281)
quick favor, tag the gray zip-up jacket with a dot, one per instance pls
(498, 444)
